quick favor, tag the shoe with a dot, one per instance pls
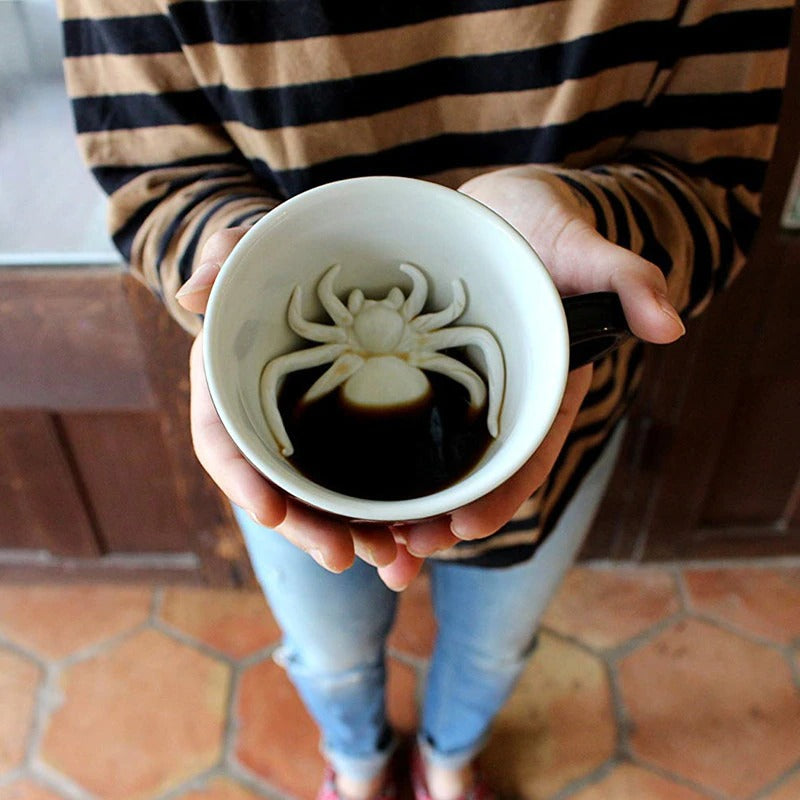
(478, 791)
(328, 790)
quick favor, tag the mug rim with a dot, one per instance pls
(314, 495)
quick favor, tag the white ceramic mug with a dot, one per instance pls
(370, 226)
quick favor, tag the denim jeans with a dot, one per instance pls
(335, 628)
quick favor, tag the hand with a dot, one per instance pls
(329, 540)
(560, 228)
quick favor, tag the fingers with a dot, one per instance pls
(487, 515)
(193, 295)
(326, 539)
(423, 539)
(221, 458)
(401, 571)
(331, 542)
(374, 544)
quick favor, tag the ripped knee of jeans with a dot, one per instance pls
(333, 675)
(498, 659)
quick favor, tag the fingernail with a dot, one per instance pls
(255, 518)
(667, 307)
(399, 537)
(465, 535)
(366, 553)
(320, 559)
(200, 279)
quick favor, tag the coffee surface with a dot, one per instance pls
(392, 454)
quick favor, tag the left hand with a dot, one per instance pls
(560, 227)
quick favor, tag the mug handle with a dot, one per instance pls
(596, 324)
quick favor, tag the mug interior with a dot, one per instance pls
(370, 226)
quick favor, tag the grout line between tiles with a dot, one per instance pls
(229, 761)
(793, 657)
(622, 718)
(48, 699)
(644, 637)
(100, 647)
(415, 662)
(16, 774)
(22, 651)
(258, 656)
(194, 784)
(742, 633)
(757, 562)
(708, 791)
(766, 791)
(682, 590)
(232, 721)
(58, 782)
(256, 783)
(156, 603)
(585, 781)
(181, 637)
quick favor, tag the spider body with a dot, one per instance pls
(379, 349)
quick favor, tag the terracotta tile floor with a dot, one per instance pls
(650, 683)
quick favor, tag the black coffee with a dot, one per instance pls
(383, 455)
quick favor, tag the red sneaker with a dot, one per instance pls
(328, 789)
(478, 791)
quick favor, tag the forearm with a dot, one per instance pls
(695, 230)
(154, 142)
(161, 220)
(685, 190)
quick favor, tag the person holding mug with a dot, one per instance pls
(628, 145)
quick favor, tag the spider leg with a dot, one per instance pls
(439, 319)
(346, 365)
(419, 292)
(272, 375)
(311, 330)
(455, 370)
(330, 302)
(463, 336)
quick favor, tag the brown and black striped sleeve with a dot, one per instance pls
(153, 142)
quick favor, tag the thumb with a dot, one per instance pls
(640, 284)
(642, 291)
(193, 295)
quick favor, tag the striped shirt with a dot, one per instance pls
(203, 114)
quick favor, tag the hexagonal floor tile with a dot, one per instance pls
(606, 607)
(26, 790)
(713, 707)
(765, 602)
(557, 726)
(220, 789)
(790, 790)
(55, 621)
(139, 718)
(19, 679)
(276, 738)
(237, 623)
(414, 630)
(629, 782)
(401, 696)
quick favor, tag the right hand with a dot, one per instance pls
(331, 541)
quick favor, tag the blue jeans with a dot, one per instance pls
(335, 628)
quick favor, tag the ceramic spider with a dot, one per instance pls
(378, 350)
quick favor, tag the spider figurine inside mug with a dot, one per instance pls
(387, 349)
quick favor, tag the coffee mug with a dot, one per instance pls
(434, 260)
